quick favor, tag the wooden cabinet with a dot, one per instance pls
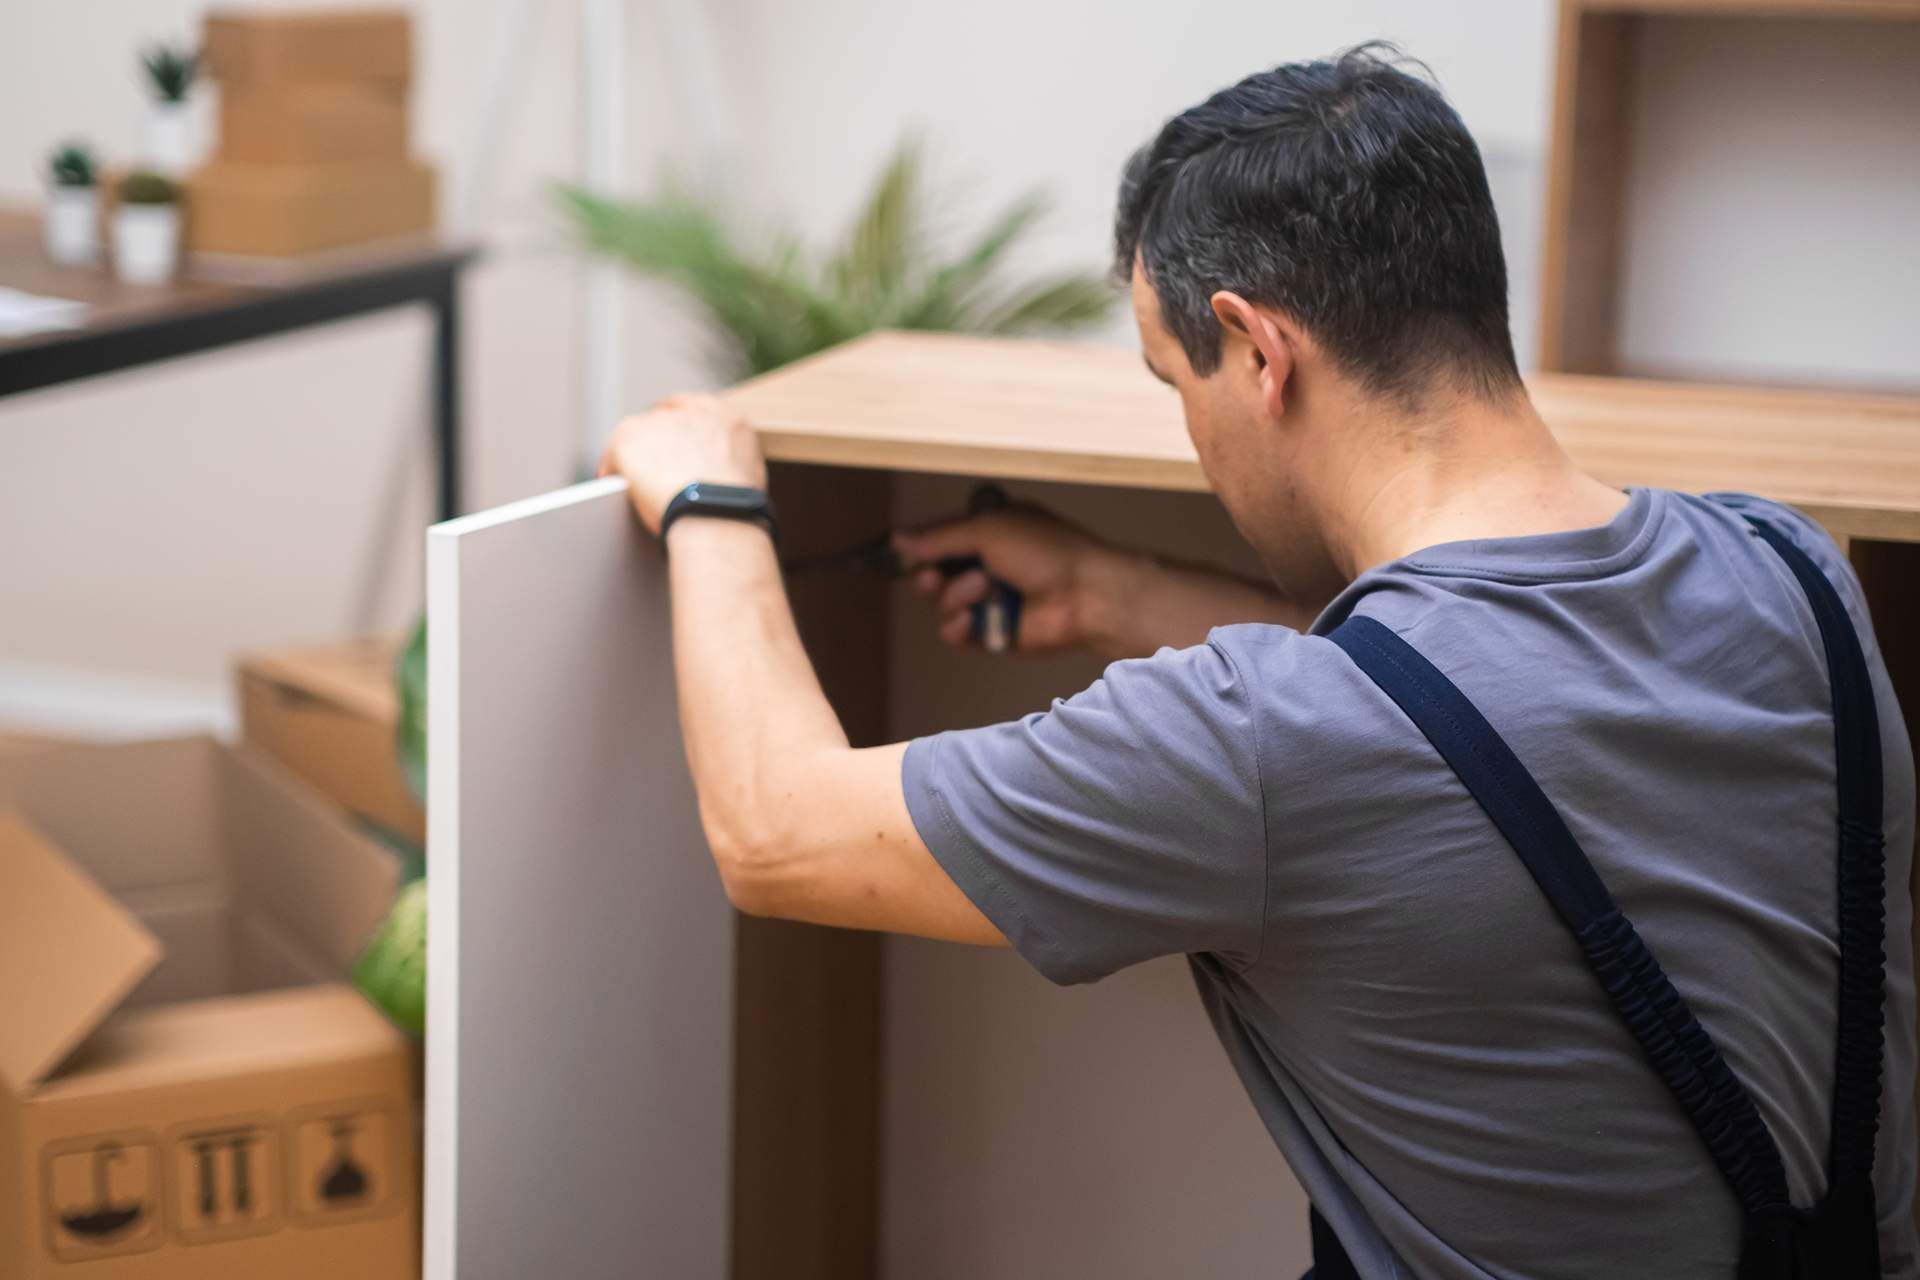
(1731, 192)
(622, 1080)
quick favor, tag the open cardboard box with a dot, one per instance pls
(186, 1088)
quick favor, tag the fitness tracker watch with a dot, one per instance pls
(725, 501)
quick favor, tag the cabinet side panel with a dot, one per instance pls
(807, 1046)
(1586, 194)
(1890, 575)
(595, 945)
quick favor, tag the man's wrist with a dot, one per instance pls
(695, 531)
(718, 500)
(1109, 584)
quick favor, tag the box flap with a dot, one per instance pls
(135, 816)
(297, 862)
(224, 1038)
(356, 676)
(68, 954)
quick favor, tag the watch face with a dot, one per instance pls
(725, 497)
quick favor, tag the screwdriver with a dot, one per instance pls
(995, 620)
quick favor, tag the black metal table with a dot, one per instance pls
(129, 326)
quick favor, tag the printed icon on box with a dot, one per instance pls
(225, 1180)
(342, 1162)
(102, 1196)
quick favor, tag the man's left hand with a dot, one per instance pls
(683, 439)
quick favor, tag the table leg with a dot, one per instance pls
(446, 394)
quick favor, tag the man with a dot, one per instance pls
(1316, 272)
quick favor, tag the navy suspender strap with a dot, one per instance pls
(1862, 872)
(1675, 1043)
(1837, 1238)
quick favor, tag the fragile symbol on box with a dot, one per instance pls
(103, 1196)
(342, 1162)
(226, 1181)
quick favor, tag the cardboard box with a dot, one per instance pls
(284, 209)
(366, 46)
(186, 1090)
(310, 123)
(329, 714)
(15, 741)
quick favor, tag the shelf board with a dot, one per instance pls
(1756, 8)
(1019, 410)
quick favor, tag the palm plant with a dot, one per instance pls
(768, 301)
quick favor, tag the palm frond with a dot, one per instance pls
(949, 293)
(884, 244)
(763, 310)
(767, 302)
(1064, 302)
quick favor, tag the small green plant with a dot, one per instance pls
(170, 70)
(392, 970)
(145, 187)
(410, 734)
(71, 165)
(769, 302)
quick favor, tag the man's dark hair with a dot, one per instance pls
(1345, 193)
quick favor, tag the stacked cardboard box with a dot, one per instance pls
(329, 713)
(313, 148)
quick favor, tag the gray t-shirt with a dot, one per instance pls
(1415, 1026)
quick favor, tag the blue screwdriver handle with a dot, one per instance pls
(996, 619)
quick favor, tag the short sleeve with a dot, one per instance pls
(1124, 823)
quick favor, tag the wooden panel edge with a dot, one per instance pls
(806, 1133)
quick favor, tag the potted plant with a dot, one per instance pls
(170, 73)
(146, 228)
(768, 302)
(73, 207)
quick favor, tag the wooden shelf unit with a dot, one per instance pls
(1584, 244)
(1092, 415)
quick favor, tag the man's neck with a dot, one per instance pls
(1469, 469)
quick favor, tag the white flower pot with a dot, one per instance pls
(73, 226)
(170, 139)
(146, 242)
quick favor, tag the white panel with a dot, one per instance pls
(581, 948)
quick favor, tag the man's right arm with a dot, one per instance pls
(1079, 592)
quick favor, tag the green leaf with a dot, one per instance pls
(884, 245)
(950, 295)
(1062, 303)
(392, 970)
(410, 731)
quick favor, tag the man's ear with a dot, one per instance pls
(1268, 347)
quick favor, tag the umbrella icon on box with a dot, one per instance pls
(104, 1220)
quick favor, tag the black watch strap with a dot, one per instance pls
(724, 501)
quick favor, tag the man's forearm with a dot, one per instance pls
(801, 825)
(1135, 604)
(752, 712)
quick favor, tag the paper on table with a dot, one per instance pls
(24, 313)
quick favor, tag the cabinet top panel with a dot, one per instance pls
(1752, 8)
(1024, 410)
